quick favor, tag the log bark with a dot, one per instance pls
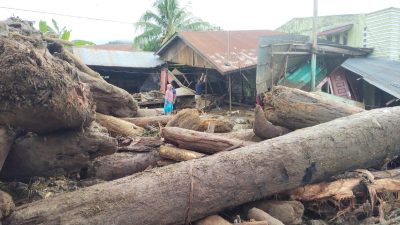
(186, 118)
(149, 112)
(110, 100)
(117, 126)
(294, 109)
(265, 129)
(111, 167)
(340, 189)
(142, 144)
(7, 137)
(40, 93)
(199, 141)
(178, 154)
(219, 125)
(149, 121)
(205, 186)
(260, 215)
(213, 220)
(54, 154)
(243, 134)
(288, 212)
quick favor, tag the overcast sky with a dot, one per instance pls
(228, 14)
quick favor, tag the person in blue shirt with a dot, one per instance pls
(200, 85)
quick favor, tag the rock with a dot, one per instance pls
(6, 204)
(289, 212)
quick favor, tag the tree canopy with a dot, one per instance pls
(166, 18)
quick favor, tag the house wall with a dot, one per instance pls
(383, 33)
(181, 53)
(303, 26)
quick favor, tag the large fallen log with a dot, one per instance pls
(111, 167)
(7, 137)
(142, 144)
(242, 134)
(110, 100)
(54, 154)
(117, 126)
(201, 187)
(293, 108)
(200, 141)
(265, 129)
(178, 154)
(149, 121)
(219, 125)
(39, 92)
(186, 118)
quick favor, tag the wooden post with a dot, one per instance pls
(314, 46)
(230, 93)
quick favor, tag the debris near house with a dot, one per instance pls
(294, 109)
(149, 99)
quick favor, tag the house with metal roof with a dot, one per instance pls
(133, 71)
(378, 30)
(228, 57)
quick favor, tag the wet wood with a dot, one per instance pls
(200, 141)
(142, 144)
(293, 108)
(145, 122)
(117, 165)
(213, 220)
(260, 215)
(198, 188)
(265, 129)
(117, 126)
(178, 154)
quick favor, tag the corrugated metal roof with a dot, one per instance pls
(335, 30)
(99, 57)
(226, 50)
(116, 47)
(383, 74)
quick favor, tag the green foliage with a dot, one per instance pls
(167, 18)
(63, 34)
(82, 42)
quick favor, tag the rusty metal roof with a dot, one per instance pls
(336, 30)
(227, 51)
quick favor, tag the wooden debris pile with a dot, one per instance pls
(71, 143)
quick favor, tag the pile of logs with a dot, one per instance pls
(307, 157)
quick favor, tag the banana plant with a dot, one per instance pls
(63, 34)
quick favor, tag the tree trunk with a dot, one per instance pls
(294, 109)
(38, 92)
(244, 134)
(110, 100)
(186, 118)
(212, 220)
(260, 215)
(199, 141)
(117, 126)
(81, 65)
(117, 165)
(149, 112)
(220, 125)
(142, 144)
(265, 129)
(59, 153)
(201, 187)
(178, 154)
(7, 137)
(149, 121)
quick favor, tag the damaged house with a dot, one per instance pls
(229, 58)
(134, 71)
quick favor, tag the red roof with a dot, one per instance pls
(336, 30)
(226, 50)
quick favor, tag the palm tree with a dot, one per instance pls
(159, 25)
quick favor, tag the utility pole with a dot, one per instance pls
(314, 46)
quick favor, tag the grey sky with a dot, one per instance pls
(229, 14)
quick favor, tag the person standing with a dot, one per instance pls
(200, 85)
(168, 100)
